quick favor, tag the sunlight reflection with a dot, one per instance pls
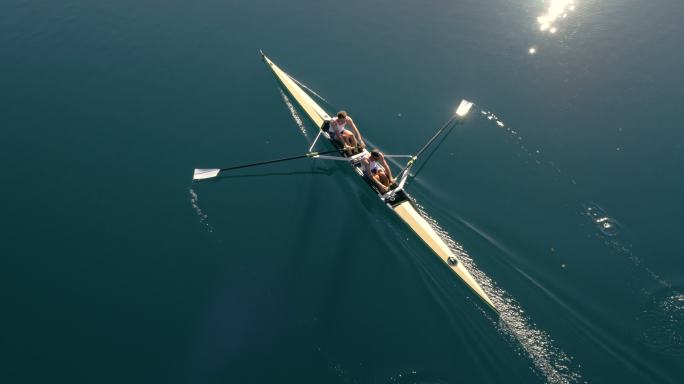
(557, 9)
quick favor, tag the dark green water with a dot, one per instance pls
(117, 268)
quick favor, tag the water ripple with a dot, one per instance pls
(610, 229)
(662, 324)
(606, 224)
(194, 201)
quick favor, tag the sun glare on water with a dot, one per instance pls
(554, 12)
(558, 9)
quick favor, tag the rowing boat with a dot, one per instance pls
(397, 199)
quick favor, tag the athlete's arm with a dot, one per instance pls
(387, 167)
(356, 130)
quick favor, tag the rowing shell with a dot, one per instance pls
(398, 200)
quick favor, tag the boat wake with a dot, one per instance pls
(550, 362)
(194, 201)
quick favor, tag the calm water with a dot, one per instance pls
(563, 191)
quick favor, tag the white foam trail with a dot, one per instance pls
(295, 115)
(194, 201)
(549, 361)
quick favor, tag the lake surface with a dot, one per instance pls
(562, 190)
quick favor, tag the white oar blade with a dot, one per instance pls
(201, 174)
(464, 108)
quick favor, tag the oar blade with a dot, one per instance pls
(201, 174)
(464, 108)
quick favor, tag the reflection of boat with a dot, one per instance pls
(397, 199)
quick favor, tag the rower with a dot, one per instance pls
(378, 170)
(349, 141)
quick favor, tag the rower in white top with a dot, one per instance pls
(350, 141)
(378, 170)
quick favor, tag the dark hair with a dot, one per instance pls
(341, 114)
(375, 152)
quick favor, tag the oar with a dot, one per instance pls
(201, 174)
(461, 111)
